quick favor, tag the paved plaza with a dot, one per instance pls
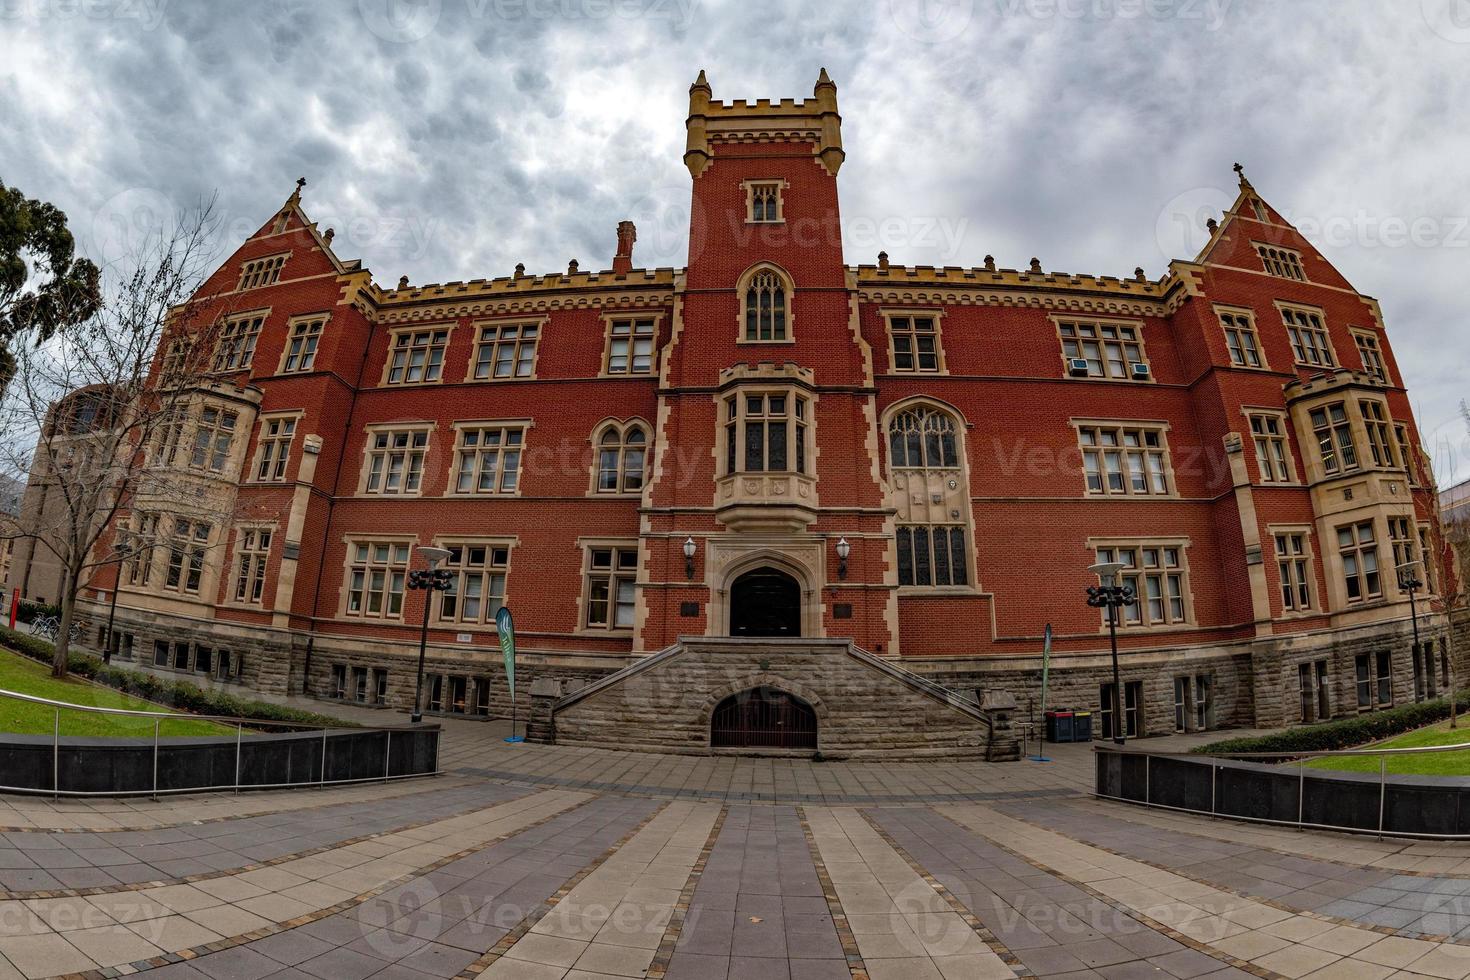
(529, 862)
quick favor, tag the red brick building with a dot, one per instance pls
(972, 439)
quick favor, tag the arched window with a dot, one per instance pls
(931, 496)
(922, 437)
(766, 306)
(621, 457)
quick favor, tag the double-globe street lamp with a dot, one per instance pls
(1112, 597)
(429, 580)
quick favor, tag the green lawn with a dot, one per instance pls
(1427, 764)
(26, 676)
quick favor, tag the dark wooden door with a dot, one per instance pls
(765, 718)
(765, 602)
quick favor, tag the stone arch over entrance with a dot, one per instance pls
(772, 566)
(766, 602)
(750, 687)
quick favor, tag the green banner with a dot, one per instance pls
(1045, 668)
(505, 627)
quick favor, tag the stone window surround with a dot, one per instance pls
(621, 426)
(509, 543)
(262, 423)
(937, 314)
(430, 328)
(1161, 427)
(233, 566)
(1059, 319)
(792, 389)
(291, 324)
(787, 283)
(962, 428)
(525, 425)
(1284, 424)
(351, 541)
(1263, 248)
(586, 545)
(1351, 395)
(370, 432)
(611, 317)
(225, 323)
(748, 187)
(262, 265)
(1183, 544)
(1365, 337)
(1224, 309)
(1282, 309)
(1309, 553)
(539, 321)
(727, 556)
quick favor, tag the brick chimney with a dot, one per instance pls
(627, 235)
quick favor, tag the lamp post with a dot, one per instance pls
(431, 579)
(1410, 583)
(689, 548)
(124, 552)
(1112, 597)
(843, 550)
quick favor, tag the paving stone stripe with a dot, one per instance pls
(857, 969)
(900, 925)
(990, 939)
(665, 952)
(1416, 906)
(183, 915)
(610, 923)
(253, 842)
(1255, 938)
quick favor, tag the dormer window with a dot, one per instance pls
(765, 292)
(261, 272)
(763, 201)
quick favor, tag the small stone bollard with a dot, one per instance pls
(541, 722)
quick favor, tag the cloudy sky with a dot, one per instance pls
(451, 139)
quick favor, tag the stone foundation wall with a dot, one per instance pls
(861, 710)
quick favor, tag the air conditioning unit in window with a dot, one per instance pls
(1077, 367)
(1140, 372)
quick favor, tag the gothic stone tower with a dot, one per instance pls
(768, 460)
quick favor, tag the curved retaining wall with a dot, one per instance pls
(1415, 806)
(122, 766)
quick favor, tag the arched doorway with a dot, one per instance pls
(763, 718)
(765, 602)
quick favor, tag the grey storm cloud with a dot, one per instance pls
(451, 139)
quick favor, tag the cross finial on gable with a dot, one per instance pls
(1240, 172)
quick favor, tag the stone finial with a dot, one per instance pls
(403, 282)
(1138, 274)
(572, 267)
(882, 260)
(824, 79)
(990, 263)
(701, 82)
(1240, 173)
(328, 235)
(520, 270)
(1035, 264)
(1211, 224)
(295, 197)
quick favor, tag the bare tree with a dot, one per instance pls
(95, 415)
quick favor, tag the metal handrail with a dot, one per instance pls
(1300, 758)
(158, 717)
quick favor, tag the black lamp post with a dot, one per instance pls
(1409, 581)
(429, 580)
(125, 551)
(843, 550)
(1112, 597)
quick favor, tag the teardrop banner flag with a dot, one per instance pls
(506, 630)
